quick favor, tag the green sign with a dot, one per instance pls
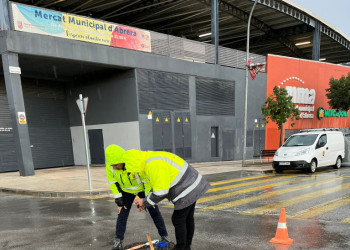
(322, 113)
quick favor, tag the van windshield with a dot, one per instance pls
(300, 140)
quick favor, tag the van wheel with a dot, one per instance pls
(279, 171)
(313, 166)
(337, 163)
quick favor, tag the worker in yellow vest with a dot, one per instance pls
(173, 178)
(125, 186)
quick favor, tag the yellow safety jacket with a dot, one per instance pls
(128, 182)
(169, 176)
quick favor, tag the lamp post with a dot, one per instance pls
(246, 88)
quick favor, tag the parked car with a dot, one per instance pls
(311, 149)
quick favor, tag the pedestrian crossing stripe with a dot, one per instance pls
(264, 176)
(230, 204)
(95, 198)
(241, 179)
(248, 190)
(347, 220)
(247, 184)
(323, 208)
(301, 198)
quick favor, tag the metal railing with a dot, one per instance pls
(185, 49)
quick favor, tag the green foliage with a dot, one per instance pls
(338, 93)
(279, 107)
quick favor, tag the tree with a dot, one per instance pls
(278, 108)
(338, 93)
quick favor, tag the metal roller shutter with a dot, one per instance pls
(162, 91)
(215, 97)
(46, 110)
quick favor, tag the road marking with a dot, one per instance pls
(323, 208)
(305, 197)
(241, 179)
(265, 196)
(347, 220)
(94, 198)
(247, 190)
(246, 184)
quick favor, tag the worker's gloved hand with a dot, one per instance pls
(119, 201)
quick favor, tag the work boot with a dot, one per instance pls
(118, 245)
(166, 239)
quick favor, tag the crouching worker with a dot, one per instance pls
(173, 178)
(125, 186)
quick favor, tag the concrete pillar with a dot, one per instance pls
(316, 43)
(193, 112)
(16, 105)
(5, 23)
(215, 28)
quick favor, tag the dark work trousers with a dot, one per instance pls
(124, 214)
(183, 221)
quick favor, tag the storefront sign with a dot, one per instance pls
(300, 96)
(58, 24)
(306, 82)
(322, 113)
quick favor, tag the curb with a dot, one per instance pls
(87, 194)
(54, 194)
(262, 171)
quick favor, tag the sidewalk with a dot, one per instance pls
(73, 181)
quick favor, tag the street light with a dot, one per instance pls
(246, 88)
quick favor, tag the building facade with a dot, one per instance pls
(159, 94)
(306, 81)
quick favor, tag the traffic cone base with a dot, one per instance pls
(287, 241)
(281, 236)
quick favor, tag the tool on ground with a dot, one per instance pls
(143, 245)
(281, 236)
(150, 241)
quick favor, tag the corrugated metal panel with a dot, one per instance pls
(185, 49)
(8, 160)
(48, 123)
(46, 110)
(165, 91)
(215, 97)
(160, 43)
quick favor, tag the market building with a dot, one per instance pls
(306, 81)
(147, 90)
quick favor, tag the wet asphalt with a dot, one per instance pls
(241, 213)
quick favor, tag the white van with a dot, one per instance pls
(310, 149)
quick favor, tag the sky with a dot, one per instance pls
(335, 12)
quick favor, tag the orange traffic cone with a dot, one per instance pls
(281, 236)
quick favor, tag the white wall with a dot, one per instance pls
(126, 135)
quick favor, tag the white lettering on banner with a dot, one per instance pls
(5, 129)
(301, 96)
(306, 115)
(306, 109)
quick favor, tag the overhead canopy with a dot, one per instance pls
(278, 26)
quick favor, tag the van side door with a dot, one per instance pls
(321, 151)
